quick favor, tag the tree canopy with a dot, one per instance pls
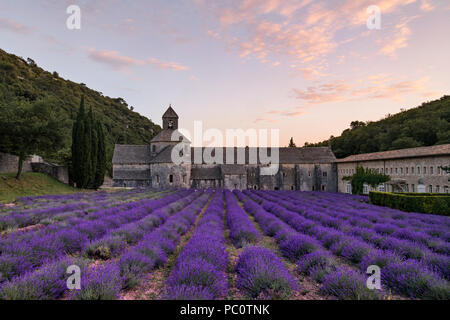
(367, 176)
(426, 125)
(31, 127)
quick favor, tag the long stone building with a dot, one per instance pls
(152, 165)
(305, 169)
(411, 170)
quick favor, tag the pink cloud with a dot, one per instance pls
(114, 59)
(122, 62)
(14, 26)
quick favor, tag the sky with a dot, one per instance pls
(307, 68)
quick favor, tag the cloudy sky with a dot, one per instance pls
(306, 67)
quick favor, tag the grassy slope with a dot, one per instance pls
(30, 184)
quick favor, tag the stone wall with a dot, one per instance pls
(9, 164)
(60, 173)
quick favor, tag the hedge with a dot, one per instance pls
(416, 202)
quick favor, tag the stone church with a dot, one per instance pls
(306, 169)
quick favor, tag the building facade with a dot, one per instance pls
(151, 165)
(304, 169)
(411, 170)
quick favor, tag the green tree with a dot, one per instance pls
(292, 143)
(31, 127)
(101, 156)
(366, 176)
(94, 149)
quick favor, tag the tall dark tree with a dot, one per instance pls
(292, 143)
(31, 127)
(94, 148)
(101, 156)
(88, 150)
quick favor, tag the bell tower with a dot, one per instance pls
(170, 119)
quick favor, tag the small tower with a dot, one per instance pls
(170, 119)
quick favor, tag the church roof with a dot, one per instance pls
(164, 156)
(213, 173)
(166, 136)
(233, 169)
(443, 149)
(170, 113)
(132, 174)
(131, 154)
(286, 155)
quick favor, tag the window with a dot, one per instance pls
(430, 188)
(406, 170)
(309, 173)
(412, 170)
(171, 178)
(324, 174)
(313, 188)
(401, 170)
(396, 170)
(445, 189)
(348, 187)
(407, 188)
(292, 187)
(439, 170)
(431, 170)
(153, 148)
(157, 179)
(184, 178)
(366, 189)
(412, 188)
(418, 170)
(391, 170)
(284, 174)
(323, 187)
(424, 170)
(438, 189)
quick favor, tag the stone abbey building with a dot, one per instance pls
(151, 165)
(304, 169)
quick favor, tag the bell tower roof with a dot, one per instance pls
(170, 113)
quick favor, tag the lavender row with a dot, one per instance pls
(261, 275)
(49, 282)
(199, 271)
(23, 218)
(22, 254)
(364, 240)
(105, 282)
(409, 277)
(370, 213)
(242, 231)
(341, 282)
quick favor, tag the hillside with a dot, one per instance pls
(30, 184)
(426, 125)
(23, 80)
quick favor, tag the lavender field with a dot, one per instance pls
(216, 244)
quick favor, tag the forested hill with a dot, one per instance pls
(23, 80)
(426, 125)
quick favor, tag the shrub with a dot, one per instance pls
(261, 274)
(347, 284)
(413, 202)
(99, 283)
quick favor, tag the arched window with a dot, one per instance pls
(171, 178)
(153, 148)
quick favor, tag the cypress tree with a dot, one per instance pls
(87, 145)
(77, 146)
(94, 149)
(101, 156)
